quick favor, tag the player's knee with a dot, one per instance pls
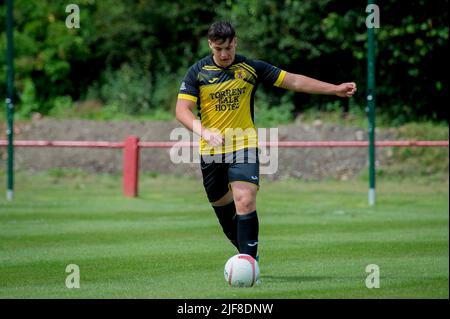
(245, 204)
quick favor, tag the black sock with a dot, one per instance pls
(228, 220)
(247, 233)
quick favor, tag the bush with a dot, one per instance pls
(165, 90)
(271, 111)
(62, 106)
(28, 103)
(432, 162)
(127, 89)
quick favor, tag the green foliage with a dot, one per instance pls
(165, 90)
(28, 98)
(355, 117)
(62, 105)
(412, 47)
(128, 89)
(45, 51)
(327, 40)
(431, 162)
(269, 114)
(151, 43)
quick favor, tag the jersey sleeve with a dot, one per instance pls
(268, 73)
(189, 89)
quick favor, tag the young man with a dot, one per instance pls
(222, 86)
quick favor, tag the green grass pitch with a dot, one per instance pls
(316, 239)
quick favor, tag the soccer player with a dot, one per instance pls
(222, 86)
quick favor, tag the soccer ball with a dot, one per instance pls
(241, 270)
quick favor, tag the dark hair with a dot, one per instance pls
(221, 31)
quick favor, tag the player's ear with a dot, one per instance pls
(235, 41)
(210, 44)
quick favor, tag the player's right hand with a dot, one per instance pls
(212, 138)
(346, 89)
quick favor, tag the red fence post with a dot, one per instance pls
(131, 166)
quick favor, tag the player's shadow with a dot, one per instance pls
(294, 278)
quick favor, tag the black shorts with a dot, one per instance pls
(220, 170)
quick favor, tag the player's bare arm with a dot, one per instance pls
(185, 116)
(304, 84)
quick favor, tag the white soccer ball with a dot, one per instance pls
(241, 270)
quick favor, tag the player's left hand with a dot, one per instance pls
(346, 89)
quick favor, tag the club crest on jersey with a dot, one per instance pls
(239, 74)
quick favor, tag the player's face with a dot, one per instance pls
(223, 52)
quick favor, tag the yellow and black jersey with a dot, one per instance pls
(225, 98)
